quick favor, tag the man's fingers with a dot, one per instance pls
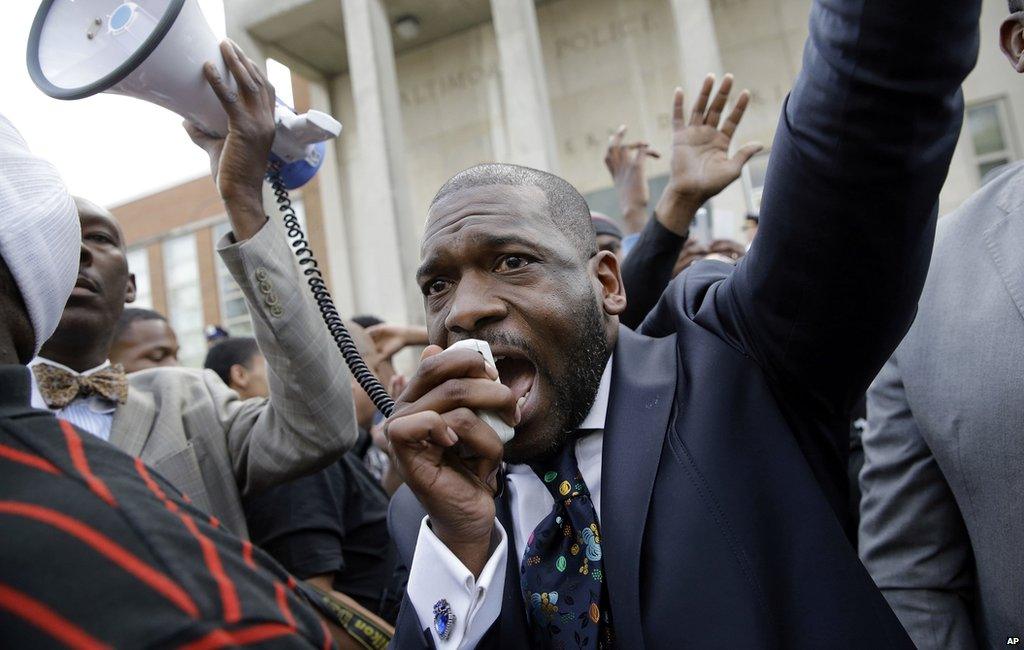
(245, 82)
(257, 76)
(475, 434)
(718, 104)
(736, 116)
(701, 105)
(747, 152)
(477, 394)
(436, 368)
(677, 108)
(410, 433)
(227, 96)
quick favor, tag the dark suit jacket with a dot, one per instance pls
(723, 489)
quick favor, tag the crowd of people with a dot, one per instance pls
(808, 439)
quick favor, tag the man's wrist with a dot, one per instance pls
(472, 550)
(246, 213)
(676, 210)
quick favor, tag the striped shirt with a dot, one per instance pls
(98, 550)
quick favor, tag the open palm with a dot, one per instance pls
(700, 162)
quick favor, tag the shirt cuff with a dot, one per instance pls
(437, 574)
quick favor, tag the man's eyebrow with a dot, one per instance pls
(488, 240)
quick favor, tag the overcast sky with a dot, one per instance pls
(108, 148)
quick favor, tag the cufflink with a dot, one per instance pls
(444, 619)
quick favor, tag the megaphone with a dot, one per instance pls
(155, 50)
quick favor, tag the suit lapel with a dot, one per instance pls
(1003, 240)
(640, 405)
(133, 422)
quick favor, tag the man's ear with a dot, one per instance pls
(130, 292)
(1011, 39)
(239, 376)
(605, 267)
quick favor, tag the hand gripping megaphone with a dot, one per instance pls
(155, 50)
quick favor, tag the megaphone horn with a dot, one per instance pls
(155, 50)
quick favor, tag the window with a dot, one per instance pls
(754, 173)
(233, 310)
(280, 76)
(184, 297)
(138, 263)
(989, 128)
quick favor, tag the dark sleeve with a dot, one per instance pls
(647, 270)
(299, 523)
(863, 145)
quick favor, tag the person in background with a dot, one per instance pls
(942, 512)
(99, 550)
(627, 162)
(215, 334)
(143, 339)
(240, 365)
(750, 228)
(185, 422)
(609, 235)
(700, 169)
(330, 528)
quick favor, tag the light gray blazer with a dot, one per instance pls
(942, 513)
(213, 446)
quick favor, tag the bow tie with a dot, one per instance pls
(60, 387)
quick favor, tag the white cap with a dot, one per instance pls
(40, 235)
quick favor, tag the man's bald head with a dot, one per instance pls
(567, 209)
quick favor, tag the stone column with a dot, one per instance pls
(383, 229)
(698, 54)
(697, 42)
(530, 127)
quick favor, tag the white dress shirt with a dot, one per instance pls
(476, 602)
(94, 414)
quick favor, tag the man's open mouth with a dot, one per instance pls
(516, 371)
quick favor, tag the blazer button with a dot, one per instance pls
(276, 311)
(265, 287)
(272, 300)
(261, 274)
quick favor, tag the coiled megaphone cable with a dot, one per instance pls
(315, 278)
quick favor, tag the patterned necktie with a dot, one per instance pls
(60, 387)
(562, 573)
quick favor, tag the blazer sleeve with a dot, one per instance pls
(912, 537)
(309, 420)
(647, 270)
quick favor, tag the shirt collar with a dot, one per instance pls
(95, 403)
(599, 409)
(90, 371)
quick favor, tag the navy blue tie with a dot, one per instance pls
(562, 573)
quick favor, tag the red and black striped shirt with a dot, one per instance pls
(97, 550)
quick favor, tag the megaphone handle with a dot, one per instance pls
(311, 269)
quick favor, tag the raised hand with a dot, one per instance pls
(436, 411)
(391, 338)
(625, 162)
(701, 166)
(238, 161)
